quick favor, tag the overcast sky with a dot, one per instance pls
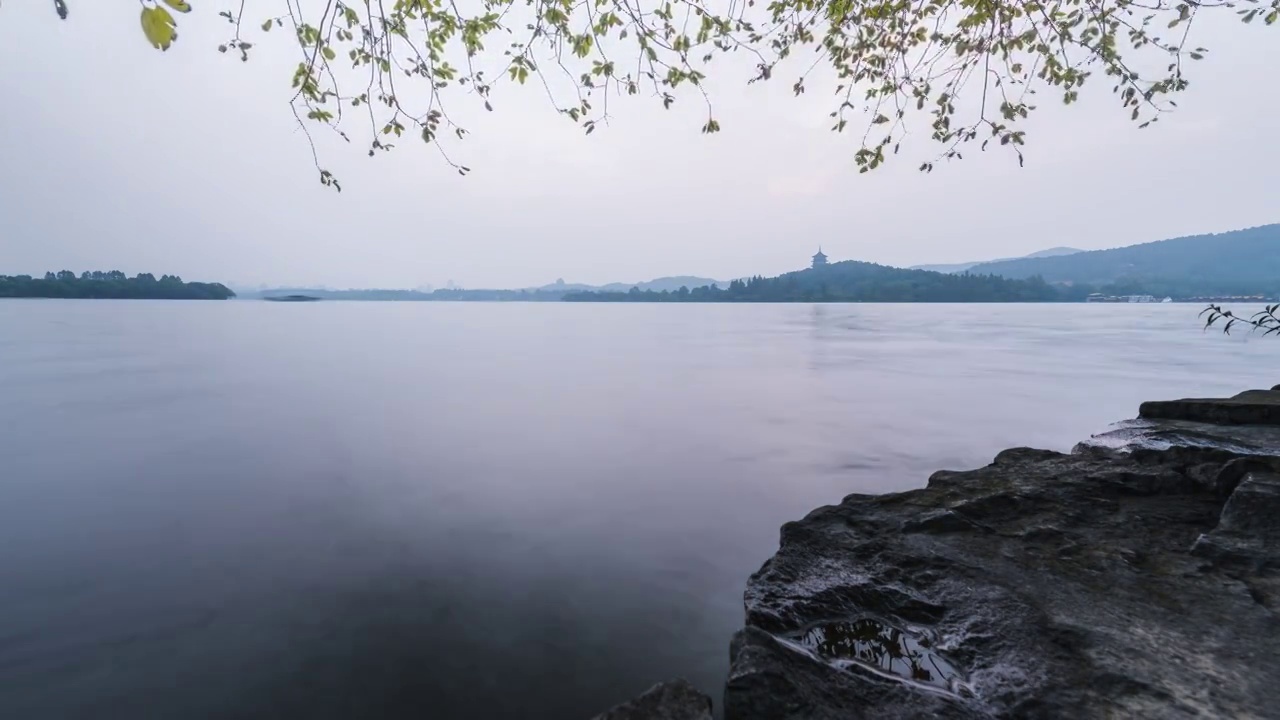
(115, 156)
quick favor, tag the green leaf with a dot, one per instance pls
(328, 52)
(159, 27)
(266, 26)
(181, 6)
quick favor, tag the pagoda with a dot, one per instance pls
(819, 260)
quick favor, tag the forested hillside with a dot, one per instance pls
(852, 281)
(109, 285)
(1241, 262)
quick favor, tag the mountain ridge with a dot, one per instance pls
(1244, 261)
(963, 267)
(670, 283)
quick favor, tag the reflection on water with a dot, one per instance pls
(882, 647)
(498, 510)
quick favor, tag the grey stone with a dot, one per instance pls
(1248, 534)
(673, 700)
(1096, 584)
(1252, 407)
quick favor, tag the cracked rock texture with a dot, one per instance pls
(1135, 577)
(1103, 583)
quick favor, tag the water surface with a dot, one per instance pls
(336, 510)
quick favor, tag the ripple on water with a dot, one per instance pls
(881, 647)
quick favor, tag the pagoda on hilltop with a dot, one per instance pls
(819, 260)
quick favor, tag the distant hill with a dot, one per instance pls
(853, 281)
(1240, 262)
(961, 267)
(443, 294)
(670, 284)
(553, 291)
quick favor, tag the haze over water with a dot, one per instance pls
(434, 510)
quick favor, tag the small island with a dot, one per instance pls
(292, 298)
(112, 285)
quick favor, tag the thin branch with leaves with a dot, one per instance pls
(1264, 321)
(897, 63)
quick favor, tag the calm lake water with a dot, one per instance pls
(429, 510)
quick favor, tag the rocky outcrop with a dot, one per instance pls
(1097, 584)
(1135, 577)
(674, 700)
(1252, 407)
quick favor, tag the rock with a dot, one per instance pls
(1250, 524)
(1142, 434)
(673, 700)
(1096, 584)
(1252, 407)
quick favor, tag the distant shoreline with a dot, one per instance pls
(610, 301)
(731, 302)
(111, 285)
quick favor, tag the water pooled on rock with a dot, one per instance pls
(881, 647)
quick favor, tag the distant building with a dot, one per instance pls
(819, 260)
(1099, 297)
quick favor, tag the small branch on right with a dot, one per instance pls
(1265, 321)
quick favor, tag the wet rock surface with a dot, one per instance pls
(673, 700)
(1097, 584)
(1136, 577)
(1251, 407)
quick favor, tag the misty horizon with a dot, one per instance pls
(189, 163)
(570, 282)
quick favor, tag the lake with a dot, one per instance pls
(435, 510)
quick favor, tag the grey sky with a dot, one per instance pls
(113, 155)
